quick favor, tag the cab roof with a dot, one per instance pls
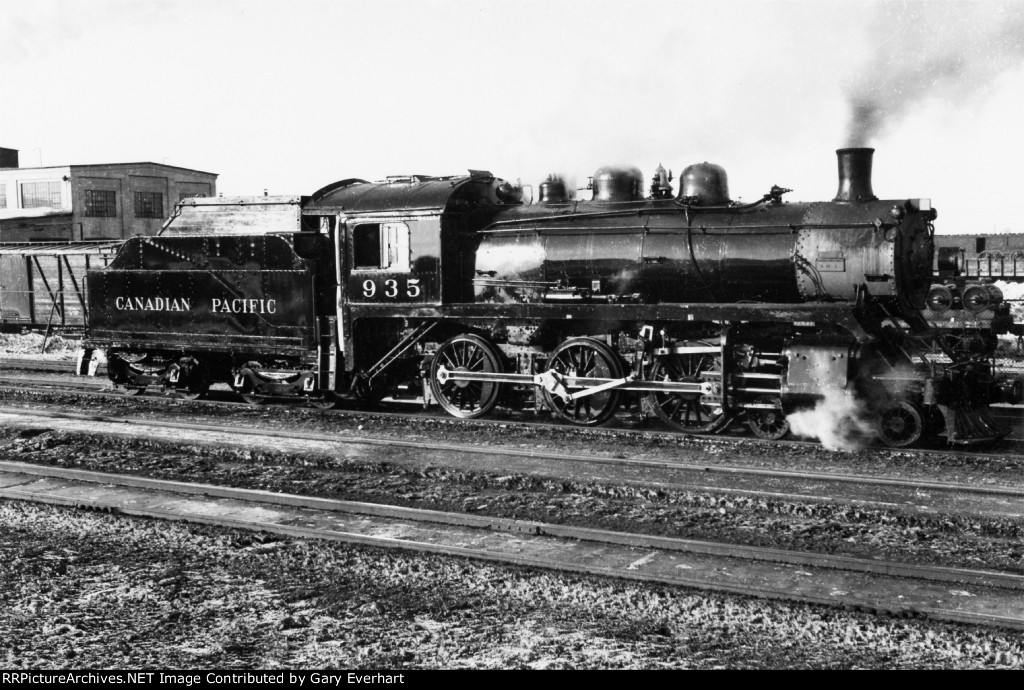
(405, 193)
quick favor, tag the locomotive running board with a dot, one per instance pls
(558, 384)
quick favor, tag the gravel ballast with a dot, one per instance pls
(974, 541)
(89, 590)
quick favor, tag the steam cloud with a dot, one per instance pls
(954, 55)
(839, 420)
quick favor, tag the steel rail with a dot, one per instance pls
(292, 435)
(66, 366)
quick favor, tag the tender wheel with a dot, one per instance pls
(900, 425)
(328, 402)
(245, 384)
(768, 424)
(690, 412)
(125, 369)
(584, 358)
(459, 398)
(193, 392)
(194, 380)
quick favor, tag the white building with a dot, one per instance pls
(92, 202)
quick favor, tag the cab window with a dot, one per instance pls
(381, 246)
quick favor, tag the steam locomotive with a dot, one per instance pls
(695, 310)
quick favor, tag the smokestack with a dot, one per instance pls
(855, 175)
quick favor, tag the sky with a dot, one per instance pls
(290, 95)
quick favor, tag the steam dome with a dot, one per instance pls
(704, 184)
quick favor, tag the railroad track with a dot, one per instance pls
(63, 366)
(911, 496)
(1013, 445)
(949, 594)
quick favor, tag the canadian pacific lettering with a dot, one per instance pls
(244, 306)
(217, 305)
(152, 304)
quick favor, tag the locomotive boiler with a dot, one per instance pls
(685, 307)
(702, 248)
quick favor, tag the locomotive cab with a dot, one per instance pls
(404, 248)
(408, 240)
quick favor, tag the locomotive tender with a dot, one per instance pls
(693, 308)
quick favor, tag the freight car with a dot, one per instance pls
(982, 257)
(42, 284)
(697, 310)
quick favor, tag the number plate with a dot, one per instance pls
(831, 265)
(387, 289)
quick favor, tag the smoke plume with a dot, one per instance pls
(948, 51)
(839, 420)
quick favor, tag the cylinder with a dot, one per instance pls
(951, 260)
(940, 299)
(995, 296)
(976, 298)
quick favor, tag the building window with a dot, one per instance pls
(3, 196)
(149, 205)
(189, 195)
(40, 195)
(100, 203)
